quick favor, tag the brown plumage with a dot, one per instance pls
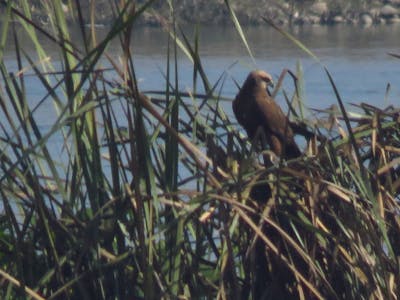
(254, 108)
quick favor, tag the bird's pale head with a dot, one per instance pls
(260, 79)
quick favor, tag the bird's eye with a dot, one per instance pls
(268, 82)
(266, 79)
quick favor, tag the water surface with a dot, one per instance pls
(357, 58)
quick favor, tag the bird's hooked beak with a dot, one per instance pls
(266, 83)
(269, 84)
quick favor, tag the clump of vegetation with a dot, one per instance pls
(161, 195)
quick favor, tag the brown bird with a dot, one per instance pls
(258, 113)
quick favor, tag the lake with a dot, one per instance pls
(357, 58)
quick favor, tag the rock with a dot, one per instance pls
(319, 8)
(374, 12)
(314, 19)
(366, 19)
(388, 11)
(395, 19)
(150, 19)
(337, 19)
(248, 12)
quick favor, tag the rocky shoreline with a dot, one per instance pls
(250, 12)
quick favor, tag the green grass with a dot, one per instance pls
(159, 196)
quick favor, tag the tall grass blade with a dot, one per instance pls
(239, 29)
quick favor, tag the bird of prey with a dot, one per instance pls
(258, 113)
